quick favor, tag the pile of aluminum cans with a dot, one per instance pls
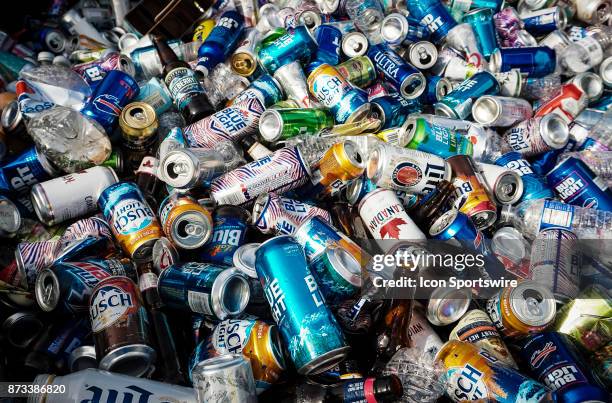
(307, 201)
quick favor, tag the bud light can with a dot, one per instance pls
(110, 96)
(553, 359)
(25, 170)
(458, 103)
(534, 186)
(575, 183)
(132, 221)
(120, 327)
(314, 339)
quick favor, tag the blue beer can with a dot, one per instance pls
(295, 45)
(338, 274)
(115, 91)
(329, 39)
(393, 109)
(457, 104)
(544, 21)
(436, 88)
(222, 40)
(155, 93)
(66, 287)
(534, 186)
(313, 337)
(404, 77)
(537, 62)
(215, 291)
(456, 225)
(265, 88)
(575, 183)
(229, 231)
(25, 170)
(553, 359)
(434, 15)
(481, 20)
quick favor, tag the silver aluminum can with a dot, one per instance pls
(590, 83)
(293, 81)
(422, 55)
(447, 305)
(491, 110)
(605, 72)
(226, 378)
(190, 167)
(70, 196)
(354, 44)
(405, 169)
(505, 184)
(538, 135)
(510, 82)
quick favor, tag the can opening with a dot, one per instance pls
(603, 11)
(424, 56)
(533, 297)
(131, 365)
(556, 131)
(391, 29)
(137, 113)
(591, 85)
(486, 110)
(234, 295)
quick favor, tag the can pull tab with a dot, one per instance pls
(180, 168)
(194, 229)
(533, 306)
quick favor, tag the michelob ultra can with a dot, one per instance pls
(132, 221)
(475, 374)
(255, 339)
(333, 91)
(314, 339)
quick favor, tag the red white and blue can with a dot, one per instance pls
(575, 183)
(274, 214)
(404, 77)
(114, 92)
(94, 72)
(232, 123)
(456, 225)
(553, 359)
(534, 186)
(279, 172)
(314, 339)
(24, 171)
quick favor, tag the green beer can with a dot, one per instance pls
(282, 124)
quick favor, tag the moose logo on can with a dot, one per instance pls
(108, 304)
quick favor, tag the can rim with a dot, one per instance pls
(271, 125)
(349, 40)
(241, 264)
(132, 352)
(17, 219)
(47, 290)
(402, 28)
(542, 291)
(444, 222)
(220, 290)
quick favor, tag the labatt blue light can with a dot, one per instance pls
(221, 41)
(313, 337)
(25, 170)
(114, 92)
(575, 183)
(132, 221)
(534, 186)
(332, 90)
(458, 103)
(553, 359)
(404, 77)
(229, 231)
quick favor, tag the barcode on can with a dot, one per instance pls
(556, 215)
(199, 302)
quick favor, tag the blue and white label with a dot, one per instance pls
(556, 215)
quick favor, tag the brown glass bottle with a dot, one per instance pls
(392, 334)
(188, 95)
(166, 348)
(432, 206)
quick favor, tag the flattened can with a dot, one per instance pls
(471, 195)
(475, 327)
(384, 215)
(527, 308)
(476, 375)
(215, 291)
(282, 171)
(255, 339)
(120, 327)
(131, 219)
(556, 261)
(406, 170)
(332, 90)
(228, 234)
(313, 337)
(185, 222)
(274, 214)
(232, 123)
(70, 196)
